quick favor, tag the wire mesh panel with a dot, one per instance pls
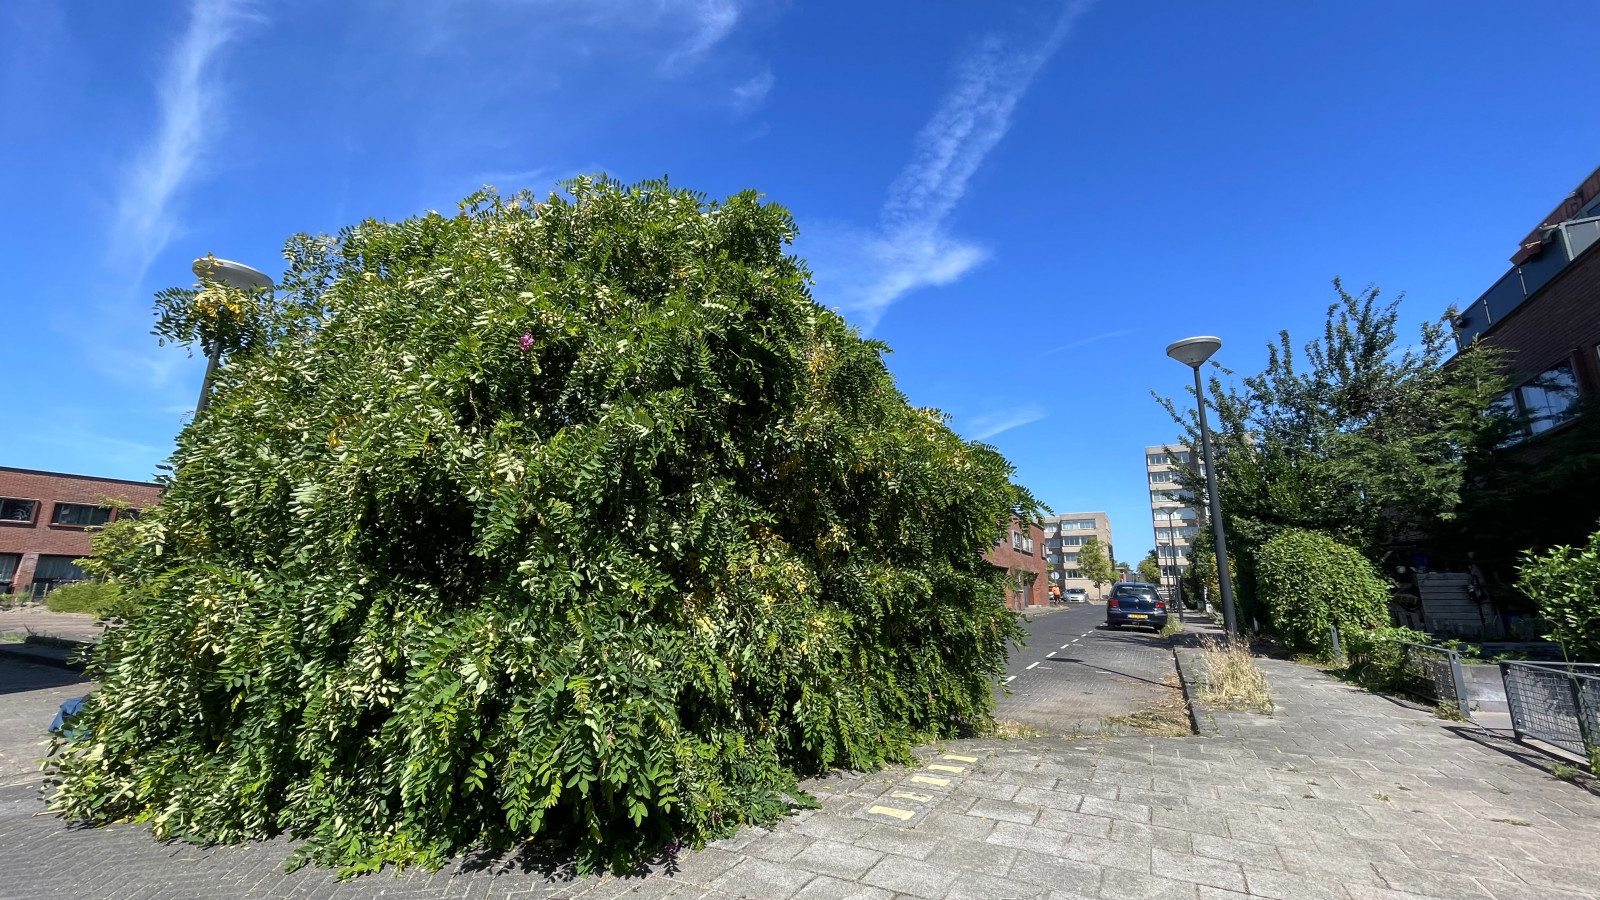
(1557, 703)
(1429, 676)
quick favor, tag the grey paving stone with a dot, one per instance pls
(824, 887)
(977, 886)
(1027, 837)
(1102, 852)
(837, 859)
(910, 876)
(761, 878)
(899, 841)
(1004, 811)
(967, 855)
(1121, 884)
(1116, 809)
(1521, 890)
(1277, 884)
(1056, 873)
(1197, 869)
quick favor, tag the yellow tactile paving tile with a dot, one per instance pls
(901, 814)
(958, 758)
(954, 770)
(929, 779)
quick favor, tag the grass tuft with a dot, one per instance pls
(1233, 680)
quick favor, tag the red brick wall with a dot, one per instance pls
(49, 488)
(1007, 558)
(1561, 321)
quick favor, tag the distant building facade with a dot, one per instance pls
(1172, 513)
(46, 519)
(1020, 551)
(1546, 312)
(1064, 537)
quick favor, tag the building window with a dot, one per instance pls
(1076, 541)
(1016, 540)
(1071, 573)
(1549, 400)
(80, 514)
(17, 510)
(8, 570)
(1071, 558)
(129, 513)
(1155, 459)
(1050, 529)
(1162, 477)
(1078, 525)
(1027, 545)
(54, 571)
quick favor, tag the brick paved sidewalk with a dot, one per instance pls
(1340, 794)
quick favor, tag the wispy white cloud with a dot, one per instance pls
(1088, 340)
(713, 21)
(189, 116)
(992, 423)
(866, 270)
(748, 96)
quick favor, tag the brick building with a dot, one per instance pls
(46, 519)
(1021, 550)
(1546, 312)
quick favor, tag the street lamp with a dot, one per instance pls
(234, 275)
(1193, 352)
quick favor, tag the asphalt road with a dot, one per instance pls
(1075, 673)
(29, 697)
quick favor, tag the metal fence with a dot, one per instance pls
(1434, 675)
(1557, 703)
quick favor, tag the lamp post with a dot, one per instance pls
(234, 275)
(1193, 352)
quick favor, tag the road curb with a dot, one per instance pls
(1199, 719)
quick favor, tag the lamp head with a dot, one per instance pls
(230, 273)
(1194, 351)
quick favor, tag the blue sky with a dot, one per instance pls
(1027, 201)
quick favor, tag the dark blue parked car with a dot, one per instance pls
(1135, 603)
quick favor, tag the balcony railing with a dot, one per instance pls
(1565, 243)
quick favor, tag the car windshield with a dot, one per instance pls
(1129, 590)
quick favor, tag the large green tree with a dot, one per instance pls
(1361, 438)
(1150, 568)
(1094, 563)
(574, 519)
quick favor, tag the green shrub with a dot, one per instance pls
(1566, 584)
(1376, 660)
(1308, 581)
(576, 520)
(94, 597)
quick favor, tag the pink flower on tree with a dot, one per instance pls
(525, 342)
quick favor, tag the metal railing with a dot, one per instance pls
(1556, 703)
(1436, 676)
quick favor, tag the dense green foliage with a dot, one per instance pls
(1365, 442)
(1308, 581)
(573, 520)
(1519, 497)
(1094, 563)
(1565, 583)
(1150, 569)
(93, 597)
(1376, 660)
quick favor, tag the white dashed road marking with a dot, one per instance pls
(1010, 679)
(1031, 665)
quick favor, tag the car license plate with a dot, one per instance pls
(1137, 616)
